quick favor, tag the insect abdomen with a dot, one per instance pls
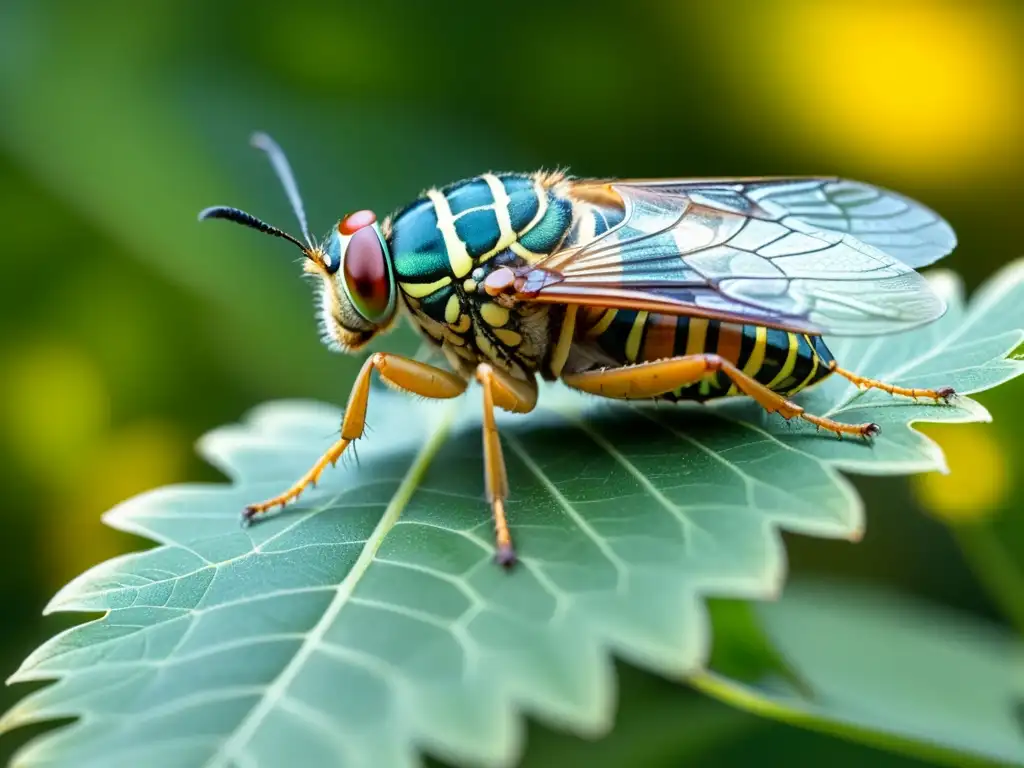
(785, 362)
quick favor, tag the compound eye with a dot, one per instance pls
(366, 272)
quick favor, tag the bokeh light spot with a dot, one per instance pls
(55, 406)
(979, 480)
(919, 87)
(131, 460)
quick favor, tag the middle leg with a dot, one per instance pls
(509, 394)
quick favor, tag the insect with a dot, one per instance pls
(630, 289)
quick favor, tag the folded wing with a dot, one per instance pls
(801, 254)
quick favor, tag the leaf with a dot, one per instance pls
(369, 622)
(891, 671)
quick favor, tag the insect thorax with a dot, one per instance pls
(446, 243)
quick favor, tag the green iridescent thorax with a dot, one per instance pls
(486, 221)
(445, 244)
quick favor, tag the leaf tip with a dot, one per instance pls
(25, 673)
(65, 599)
(11, 719)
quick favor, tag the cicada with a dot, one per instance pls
(675, 289)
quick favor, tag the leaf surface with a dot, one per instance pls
(368, 623)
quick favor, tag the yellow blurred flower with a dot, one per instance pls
(979, 480)
(55, 406)
(56, 416)
(134, 459)
(916, 87)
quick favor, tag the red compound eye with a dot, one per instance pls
(366, 274)
(356, 221)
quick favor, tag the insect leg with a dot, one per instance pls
(400, 372)
(646, 380)
(942, 393)
(507, 393)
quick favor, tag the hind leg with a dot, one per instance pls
(942, 393)
(647, 380)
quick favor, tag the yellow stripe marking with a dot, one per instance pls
(451, 309)
(504, 242)
(753, 366)
(525, 253)
(451, 337)
(542, 206)
(484, 345)
(494, 314)
(787, 367)
(814, 369)
(508, 337)
(462, 325)
(564, 343)
(458, 257)
(501, 204)
(419, 290)
(696, 336)
(636, 333)
(602, 325)
(515, 246)
(756, 359)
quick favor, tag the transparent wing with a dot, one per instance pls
(753, 251)
(891, 222)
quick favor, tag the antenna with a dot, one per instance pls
(284, 174)
(248, 220)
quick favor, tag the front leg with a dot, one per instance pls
(401, 372)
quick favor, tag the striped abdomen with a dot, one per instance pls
(785, 362)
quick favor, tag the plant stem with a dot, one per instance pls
(991, 563)
(803, 714)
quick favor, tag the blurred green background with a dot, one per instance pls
(127, 329)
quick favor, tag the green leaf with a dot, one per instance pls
(891, 671)
(369, 622)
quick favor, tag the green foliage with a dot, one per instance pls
(369, 622)
(879, 668)
(883, 667)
